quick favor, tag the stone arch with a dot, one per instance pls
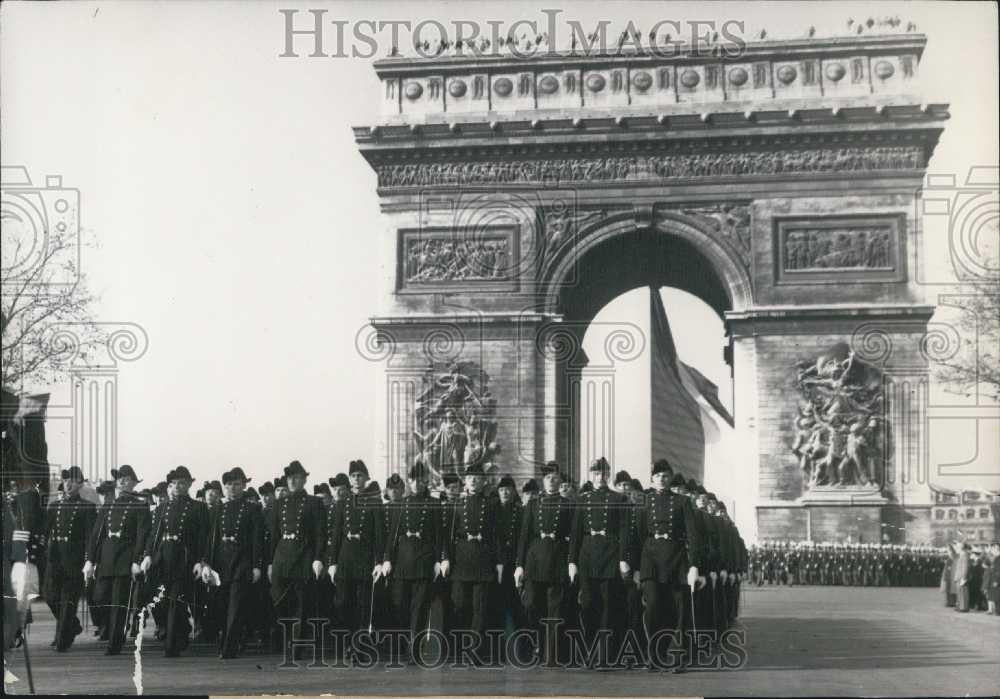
(731, 271)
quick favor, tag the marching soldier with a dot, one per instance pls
(633, 552)
(235, 553)
(106, 492)
(355, 548)
(265, 621)
(115, 550)
(69, 523)
(175, 545)
(542, 557)
(297, 528)
(414, 551)
(27, 545)
(472, 547)
(597, 555)
(671, 557)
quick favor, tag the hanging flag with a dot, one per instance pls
(676, 431)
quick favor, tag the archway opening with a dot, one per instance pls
(627, 406)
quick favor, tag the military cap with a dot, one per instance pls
(235, 474)
(507, 482)
(213, 485)
(636, 484)
(600, 464)
(295, 469)
(105, 487)
(125, 471)
(340, 481)
(251, 493)
(160, 489)
(321, 489)
(73, 473)
(530, 486)
(281, 482)
(267, 488)
(586, 487)
(394, 481)
(178, 473)
(372, 489)
(678, 481)
(662, 466)
(623, 477)
(550, 467)
(356, 467)
(692, 485)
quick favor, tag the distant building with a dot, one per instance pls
(970, 515)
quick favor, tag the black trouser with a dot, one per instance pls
(504, 609)
(633, 598)
(295, 604)
(667, 607)
(601, 608)
(468, 600)
(112, 594)
(545, 601)
(352, 598)
(233, 596)
(409, 602)
(177, 599)
(63, 590)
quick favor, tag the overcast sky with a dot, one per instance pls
(236, 222)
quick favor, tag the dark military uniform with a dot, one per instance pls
(116, 544)
(543, 553)
(414, 544)
(671, 545)
(298, 528)
(597, 546)
(235, 549)
(633, 555)
(355, 544)
(506, 603)
(472, 554)
(176, 543)
(69, 524)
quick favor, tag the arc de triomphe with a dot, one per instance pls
(779, 185)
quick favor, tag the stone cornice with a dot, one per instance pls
(751, 51)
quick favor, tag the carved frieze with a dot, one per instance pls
(446, 258)
(729, 220)
(839, 249)
(656, 167)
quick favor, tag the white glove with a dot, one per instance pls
(499, 573)
(332, 572)
(437, 570)
(135, 569)
(732, 579)
(317, 569)
(196, 570)
(386, 569)
(145, 565)
(692, 576)
(572, 571)
(270, 568)
(624, 567)
(256, 574)
(723, 574)
(206, 574)
(519, 576)
(636, 579)
(88, 570)
(713, 575)
(376, 573)
(445, 567)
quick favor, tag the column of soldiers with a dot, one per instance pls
(616, 566)
(808, 563)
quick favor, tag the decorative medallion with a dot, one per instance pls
(787, 74)
(457, 88)
(690, 78)
(595, 82)
(413, 91)
(884, 70)
(835, 71)
(548, 85)
(738, 76)
(642, 81)
(503, 86)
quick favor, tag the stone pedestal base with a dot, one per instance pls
(844, 495)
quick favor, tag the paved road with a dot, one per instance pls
(801, 641)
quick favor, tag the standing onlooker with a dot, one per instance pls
(961, 578)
